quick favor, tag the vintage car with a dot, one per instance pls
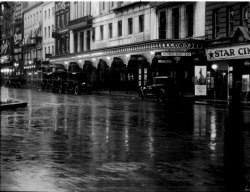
(15, 81)
(162, 88)
(76, 81)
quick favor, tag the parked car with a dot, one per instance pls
(15, 81)
(162, 88)
(75, 84)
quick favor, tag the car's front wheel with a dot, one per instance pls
(161, 97)
(77, 90)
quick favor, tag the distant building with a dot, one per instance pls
(228, 48)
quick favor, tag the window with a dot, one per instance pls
(58, 21)
(190, 19)
(75, 42)
(62, 19)
(53, 50)
(163, 24)
(101, 32)
(110, 30)
(45, 32)
(103, 5)
(66, 17)
(49, 49)
(62, 44)
(88, 40)
(49, 32)
(141, 23)
(216, 23)
(119, 28)
(49, 13)
(45, 15)
(230, 18)
(45, 51)
(175, 23)
(130, 26)
(81, 41)
(53, 11)
(53, 28)
(245, 15)
(93, 34)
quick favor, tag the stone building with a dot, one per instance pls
(124, 44)
(228, 48)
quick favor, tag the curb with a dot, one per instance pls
(12, 105)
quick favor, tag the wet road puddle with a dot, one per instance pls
(116, 167)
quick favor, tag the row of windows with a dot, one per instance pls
(48, 31)
(62, 19)
(49, 50)
(32, 19)
(231, 19)
(119, 28)
(48, 14)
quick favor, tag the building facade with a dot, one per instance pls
(128, 46)
(228, 48)
(32, 41)
(48, 28)
(7, 21)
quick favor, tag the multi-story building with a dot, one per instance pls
(48, 28)
(130, 42)
(6, 39)
(32, 40)
(228, 48)
(18, 37)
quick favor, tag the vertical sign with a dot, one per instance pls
(200, 82)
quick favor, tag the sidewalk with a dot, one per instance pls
(215, 102)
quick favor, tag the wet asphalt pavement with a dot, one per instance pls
(112, 143)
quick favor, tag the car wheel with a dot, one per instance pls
(60, 90)
(51, 88)
(161, 97)
(77, 90)
(141, 95)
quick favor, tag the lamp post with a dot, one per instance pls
(214, 67)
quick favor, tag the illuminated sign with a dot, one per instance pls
(176, 54)
(232, 52)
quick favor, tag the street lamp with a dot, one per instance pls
(214, 67)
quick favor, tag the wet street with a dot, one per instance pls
(112, 143)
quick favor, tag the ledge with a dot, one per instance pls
(10, 104)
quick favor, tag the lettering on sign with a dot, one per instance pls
(233, 52)
(176, 54)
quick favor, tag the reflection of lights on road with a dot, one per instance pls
(212, 143)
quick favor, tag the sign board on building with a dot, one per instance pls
(176, 54)
(230, 52)
(164, 61)
(200, 82)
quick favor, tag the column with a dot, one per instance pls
(71, 41)
(85, 40)
(183, 31)
(78, 41)
(169, 23)
(154, 25)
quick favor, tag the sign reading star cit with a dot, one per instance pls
(232, 52)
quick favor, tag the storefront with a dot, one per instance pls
(131, 66)
(226, 65)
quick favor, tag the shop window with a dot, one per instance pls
(190, 19)
(62, 44)
(130, 26)
(110, 30)
(62, 19)
(119, 28)
(163, 25)
(175, 23)
(230, 18)
(216, 23)
(141, 23)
